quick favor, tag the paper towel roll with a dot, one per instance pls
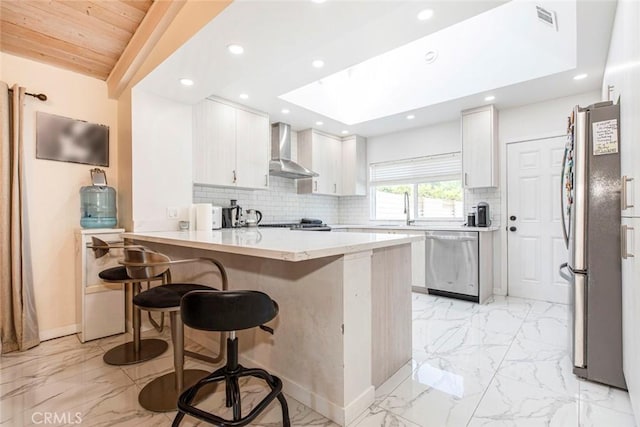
(192, 217)
(204, 216)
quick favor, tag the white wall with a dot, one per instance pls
(53, 198)
(161, 160)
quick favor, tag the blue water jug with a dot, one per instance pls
(98, 203)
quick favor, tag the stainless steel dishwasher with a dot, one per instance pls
(452, 264)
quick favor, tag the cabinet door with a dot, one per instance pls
(321, 156)
(631, 307)
(252, 150)
(336, 166)
(214, 143)
(478, 149)
(354, 166)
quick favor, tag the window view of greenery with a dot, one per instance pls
(435, 200)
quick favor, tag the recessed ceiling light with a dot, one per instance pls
(244, 96)
(580, 77)
(318, 63)
(425, 14)
(411, 117)
(186, 82)
(236, 49)
(489, 98)
(285, 111)
(318, 1)
(344, 132)
(319, 123)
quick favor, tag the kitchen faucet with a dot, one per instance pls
(407, 209)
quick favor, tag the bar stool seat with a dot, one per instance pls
(230, 311)
(119, 275)
(167, 296)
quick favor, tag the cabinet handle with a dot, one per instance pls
(465, 179)
(623, 193)
(335, 188)
(235, 178)
(624, 250)
(315, 184)
(266, 180)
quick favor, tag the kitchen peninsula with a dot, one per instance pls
(344, 325)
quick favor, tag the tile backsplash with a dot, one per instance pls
(281, 203)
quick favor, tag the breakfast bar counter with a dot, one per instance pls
(344, 325)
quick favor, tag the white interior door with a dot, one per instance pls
(536, 246)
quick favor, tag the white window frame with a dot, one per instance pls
(415, 182)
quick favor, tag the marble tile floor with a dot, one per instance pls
(501, 364)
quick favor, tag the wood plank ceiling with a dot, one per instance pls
(83, 36)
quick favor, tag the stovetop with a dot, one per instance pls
(305, 224)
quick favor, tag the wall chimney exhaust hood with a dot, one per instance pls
(281, 163)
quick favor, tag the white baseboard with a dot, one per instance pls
(49, 334)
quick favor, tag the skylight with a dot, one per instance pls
(503, 46)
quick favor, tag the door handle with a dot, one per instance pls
(315, 184)
(266, 180)
(624, 250)
(465, 179)
(512, 228)
(235, 177)
(335, 188)
(565, 266)
(512, 217)
(623, 193)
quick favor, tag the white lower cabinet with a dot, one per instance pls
(630, 235)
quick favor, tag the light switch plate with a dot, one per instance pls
(172, 213)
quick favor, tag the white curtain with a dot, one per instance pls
(18, 319)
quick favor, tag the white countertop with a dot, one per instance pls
(278, 243)
(418, 227)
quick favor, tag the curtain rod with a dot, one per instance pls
(40, 96)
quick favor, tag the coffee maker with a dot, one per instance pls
(232, 215)
(483, 216)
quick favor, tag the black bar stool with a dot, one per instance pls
(161, 394)
(137, 350)
(230, 311)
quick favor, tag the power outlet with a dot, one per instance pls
(172, 213)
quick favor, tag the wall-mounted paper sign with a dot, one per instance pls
(605, 137)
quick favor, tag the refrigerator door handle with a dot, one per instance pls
(579, 320)
(562, 199)
(624, 248)
(623, 193)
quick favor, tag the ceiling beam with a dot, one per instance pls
(156, 21)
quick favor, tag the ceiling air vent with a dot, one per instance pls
(547, 17)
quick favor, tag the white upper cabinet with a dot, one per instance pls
(322, 154)
(354, 166)
(340, 164)
(480, 147)
(231, 146)
(214, 143)
(252, 149)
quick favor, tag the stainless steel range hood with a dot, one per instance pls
(281, 163)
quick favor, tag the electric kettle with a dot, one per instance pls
(252, 217)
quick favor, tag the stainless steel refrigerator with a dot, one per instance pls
(591, 224)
